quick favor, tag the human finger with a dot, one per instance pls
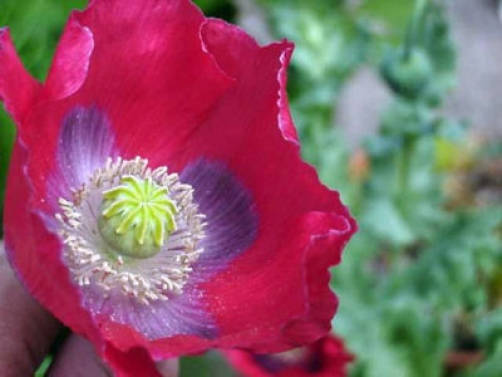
(26, 329)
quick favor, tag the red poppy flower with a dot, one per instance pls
(325, 358)
(157, 202)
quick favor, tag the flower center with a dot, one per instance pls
(137, 217)
(131, 231)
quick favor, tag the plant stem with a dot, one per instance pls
(414, 26)
(403, 173)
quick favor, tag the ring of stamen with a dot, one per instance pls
(165, 241)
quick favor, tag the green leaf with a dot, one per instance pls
(383, 219)
(207, 365)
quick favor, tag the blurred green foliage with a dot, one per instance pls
(422, 280)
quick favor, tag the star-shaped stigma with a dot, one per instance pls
(137, 217)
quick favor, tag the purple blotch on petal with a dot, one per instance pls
(85, 143)
(86, 140)
(180, 315)
(232, 222)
